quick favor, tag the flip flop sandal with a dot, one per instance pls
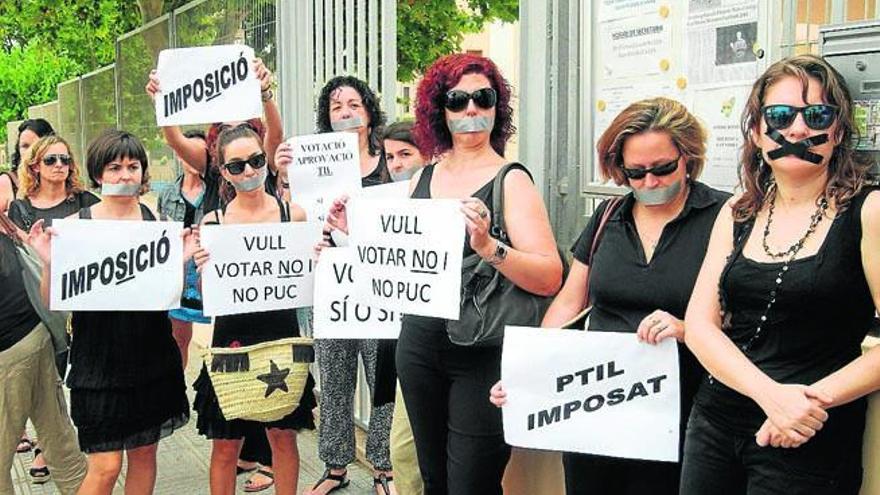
(342, 479)
(24, 445)
(250, 487)
(39, 475)
(383, 480)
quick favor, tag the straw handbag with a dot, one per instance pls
(262, 382)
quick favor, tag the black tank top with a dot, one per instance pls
(254, 328)
(379, 175)
(484, 194)
(121, 349)
(823, 311)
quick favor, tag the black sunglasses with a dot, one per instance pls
(457, 100)
(817, 117)
(657, 171)
(236, 167)
(51, 160)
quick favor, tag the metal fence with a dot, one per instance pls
(114, 96)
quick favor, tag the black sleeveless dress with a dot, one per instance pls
(244, 330)
(126, 378)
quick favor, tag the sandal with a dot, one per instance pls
(39, 475)
(251, 487)
(383, 480)
(24, 445)
(241, 470)
(342, 479)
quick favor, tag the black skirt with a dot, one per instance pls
(213, 425)
(114, 419)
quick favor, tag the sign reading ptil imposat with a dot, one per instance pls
(258, 267)
(325, 166)
(409, 253)
(207, 84)
(116, 265)
(600, 393)
(340, 311)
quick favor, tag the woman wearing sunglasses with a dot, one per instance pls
(640, 276)
(51, 188)
(29, 132)
(464, 116)
(201, 155)
(244, 170)
(126, 382)
(787, 292)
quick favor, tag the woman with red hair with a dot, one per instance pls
(463, 115)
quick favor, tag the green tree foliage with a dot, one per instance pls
(44, 42)
(428, 29)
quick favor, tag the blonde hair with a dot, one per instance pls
(30, 179)
(652, 115)
(846, 172)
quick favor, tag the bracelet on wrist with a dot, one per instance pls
(499, 254)
(267, 95)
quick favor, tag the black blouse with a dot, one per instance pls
(625, 288)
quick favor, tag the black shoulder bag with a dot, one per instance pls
(489, 301)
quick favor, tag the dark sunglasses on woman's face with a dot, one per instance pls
(657, 171)
(817, 117)
(52, 160)
(236, 167)
(457, 100)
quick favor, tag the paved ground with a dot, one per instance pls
(183, 462)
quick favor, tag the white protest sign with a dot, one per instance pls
(325, 166)
(391, 190)
(116, 265)
(339, 311)
(258, 267)
(207, 84)
(599, 393)
(409, 253)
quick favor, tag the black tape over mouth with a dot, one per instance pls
(800, 149)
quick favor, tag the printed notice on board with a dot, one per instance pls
(722, 38)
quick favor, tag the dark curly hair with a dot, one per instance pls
(431, 131)
(371, 103)
(40, 127)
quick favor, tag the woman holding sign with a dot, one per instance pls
(347, 104)
(787, 293)
(126, 381)
(243, 169)
(464, 115)
(636, 263)
(200, 155)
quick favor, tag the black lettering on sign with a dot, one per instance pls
(206, 87)
(118, 269)
(613, 397)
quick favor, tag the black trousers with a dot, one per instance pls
(591, 474)
(457, 431)
(721, 463)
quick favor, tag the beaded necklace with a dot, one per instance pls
(791, 252)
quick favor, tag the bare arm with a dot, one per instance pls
(571, 298)
(271, 115)
(193, 152)
(6, 195)
(533, 262)
(788, 406)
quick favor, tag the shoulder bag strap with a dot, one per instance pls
(498, 229)
(610, 208)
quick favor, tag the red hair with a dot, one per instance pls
(431, 132)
